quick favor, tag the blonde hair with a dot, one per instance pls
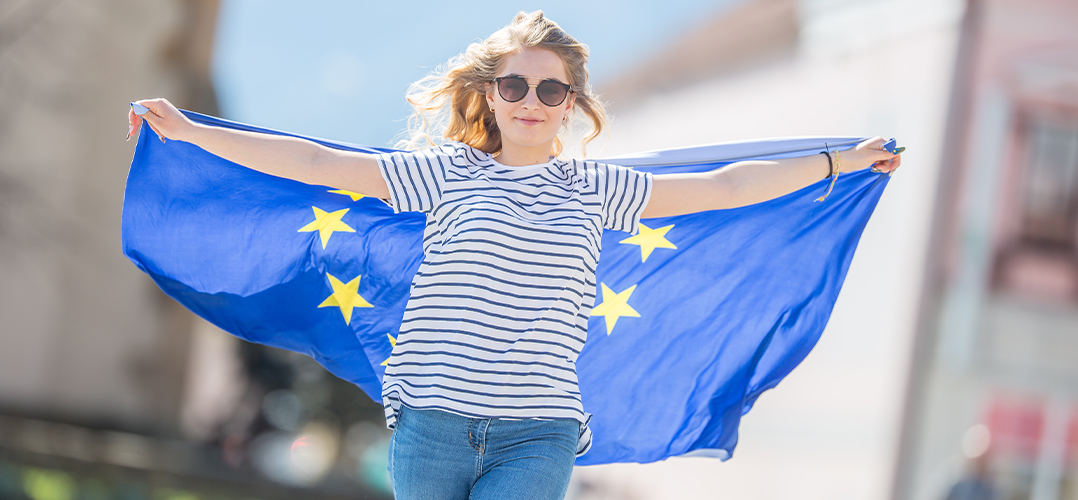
(450, 103)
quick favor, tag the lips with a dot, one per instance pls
(529, 121)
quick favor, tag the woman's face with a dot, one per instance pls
(529, 123)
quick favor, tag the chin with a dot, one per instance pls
(529, 140)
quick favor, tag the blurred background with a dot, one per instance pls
(949, 369)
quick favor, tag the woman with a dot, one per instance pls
(481, 388)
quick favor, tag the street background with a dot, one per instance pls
(949, 366)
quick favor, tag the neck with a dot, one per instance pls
(519, 156)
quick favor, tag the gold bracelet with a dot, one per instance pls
(834, 173)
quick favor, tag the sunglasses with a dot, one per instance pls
(549, 92)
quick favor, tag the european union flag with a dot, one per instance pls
(696, 315)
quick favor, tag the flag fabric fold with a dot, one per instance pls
(695, 315)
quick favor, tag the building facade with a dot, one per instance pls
(994, 382)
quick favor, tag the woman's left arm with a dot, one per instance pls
(749, 182)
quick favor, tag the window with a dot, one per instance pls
(1039, 252)
(1049, 204)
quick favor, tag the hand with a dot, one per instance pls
(867, 154)
(163, 118)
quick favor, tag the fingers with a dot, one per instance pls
(888, 165)
(155, 117)
(152, 115)
(133, 122)
(879, 159)
(156, 106)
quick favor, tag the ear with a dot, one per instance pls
(489, 95)
(572, 101)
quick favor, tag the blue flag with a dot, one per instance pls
(695, 316)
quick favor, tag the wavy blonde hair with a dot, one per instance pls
(450, 103)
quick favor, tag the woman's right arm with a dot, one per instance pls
(281, 156)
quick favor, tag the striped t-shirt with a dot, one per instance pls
(499, 306)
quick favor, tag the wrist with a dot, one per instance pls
(855, 159)
(842, 163)
(191, 132)
(833, 164)
(829, 164)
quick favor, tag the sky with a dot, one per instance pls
(339, 69)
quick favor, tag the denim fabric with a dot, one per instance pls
(437, 455)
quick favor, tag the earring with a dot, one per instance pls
(492, 109)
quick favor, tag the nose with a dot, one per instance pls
(531, 98)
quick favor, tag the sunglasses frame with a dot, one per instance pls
(498, 86)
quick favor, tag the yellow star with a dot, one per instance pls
(345, 296)
(649, 239)
(351, 194)
(326, 223)
(614, 306)
(392, 343)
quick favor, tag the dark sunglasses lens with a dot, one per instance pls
(512, 89)
(551, 93)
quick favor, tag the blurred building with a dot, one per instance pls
(83, 332)
(109, 389)
(950, 365)
(995, 376)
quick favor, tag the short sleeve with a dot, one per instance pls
(415, 178)
(624, 193)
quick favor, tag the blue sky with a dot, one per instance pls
(339, 69)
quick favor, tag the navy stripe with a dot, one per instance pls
(495, 395)
(414, 202)
(568, 214)
(396, 387)
(589, 293)
(565, 196)
(513, 272)
(493, 326)
(402, 375)
(513, 350)
(536, 229)
(626, 217)
(398, 187)
(423, 175)
(477, 370)
(620, 182)
(594, 226)
(550, 207)
(588, 260)
(442, 331)
(498, 280)
(516, 307)
(485, 360)
(476, 285)
(509, 259)
(530, 240)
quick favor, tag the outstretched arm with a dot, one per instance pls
(287, 157)
(749, 182)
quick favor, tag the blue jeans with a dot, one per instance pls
(437, 455)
